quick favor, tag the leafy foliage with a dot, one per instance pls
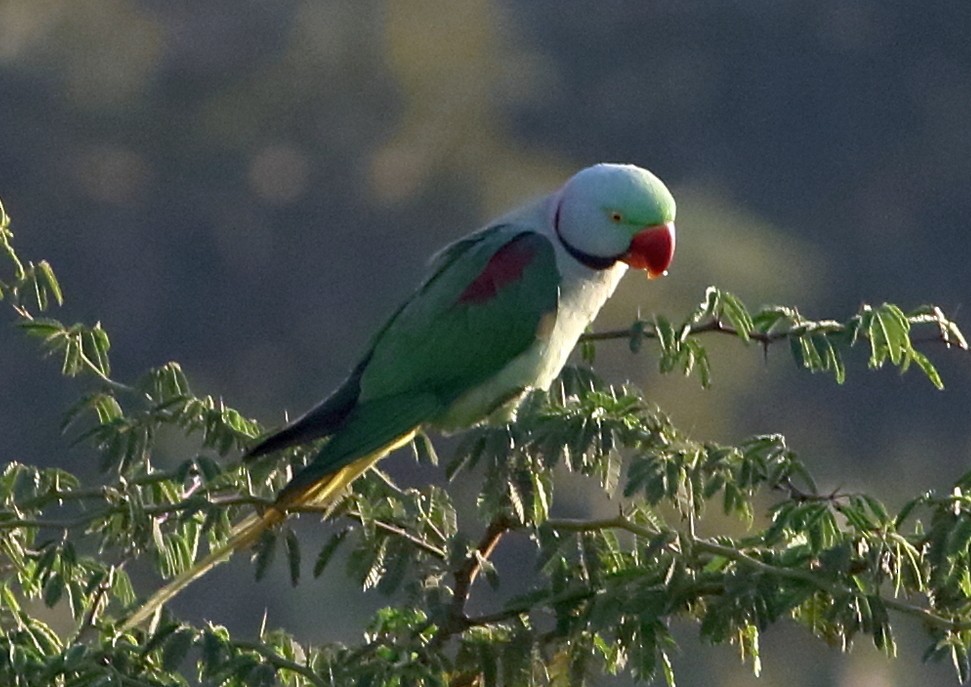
(603, 591)
(816, 345)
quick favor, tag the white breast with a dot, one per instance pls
(583, 292)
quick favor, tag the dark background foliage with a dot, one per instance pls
(249, 188)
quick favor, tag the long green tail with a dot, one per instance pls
(319, 494)
(244, 534)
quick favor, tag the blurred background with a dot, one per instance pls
(251, 187)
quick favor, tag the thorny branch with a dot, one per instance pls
(465, 577)
(646, 330)
(741, 557)
(746, 558)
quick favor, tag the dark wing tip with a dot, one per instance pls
(314, 425)
(266, 444)
(320, 421)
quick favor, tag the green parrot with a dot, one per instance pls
(498, 314)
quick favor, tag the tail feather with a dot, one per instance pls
(244, 534)
(307, 489)
(320, 492)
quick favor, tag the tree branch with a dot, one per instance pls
(645, 330)
(417, 541)
(465, 576)
(742, 558)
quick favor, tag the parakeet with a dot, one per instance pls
(497, 315)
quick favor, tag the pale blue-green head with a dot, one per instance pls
(612, 212)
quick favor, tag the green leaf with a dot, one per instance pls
(94, 344)
(704, 366)
(50, 281)
(737, 315)
(888, 331)
(121, 587)
(40, 293)
(796, 349)
(748, 644)
(74, 657)
(43, 328)
(209, 468)
(927, 367)
(369, 562)
(667, 669)
(773, 318)
(710, 306)
(588, 351)
(636, 340)
(176, 648)
(71, 364)
(516, 499)
(831, 358)
(399, 559)
(293, 556)
(666, 338)
(540, 501)
(265, 550)
(8, 600)
(810, 355)
(262, 675)
(424, 450)
(53, 589)
(214, 648)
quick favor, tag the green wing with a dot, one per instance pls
(484, 305)
(475, 314)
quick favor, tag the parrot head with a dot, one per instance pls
(611, 212)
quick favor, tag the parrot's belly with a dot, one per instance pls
(582, 293)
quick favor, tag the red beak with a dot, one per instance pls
(652, 249)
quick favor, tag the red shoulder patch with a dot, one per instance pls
(505, 267)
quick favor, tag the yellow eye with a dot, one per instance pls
(616, 217)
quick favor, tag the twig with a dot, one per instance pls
(465, 577)
(381, 475)
(517, 610)
(65, 524)
(617, 522)
(439, 553)
(742, 558)
(647, 331)
(108, 381)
